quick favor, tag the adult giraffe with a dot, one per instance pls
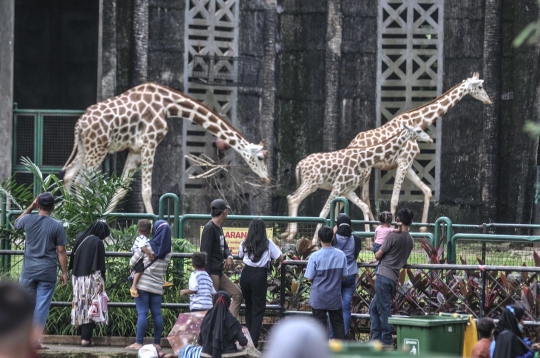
(136, 120)
(422, 116)
(340, 171)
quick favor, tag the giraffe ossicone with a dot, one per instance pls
(136, 121)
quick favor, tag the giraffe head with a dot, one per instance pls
(475, 88)
(416, 133)
(256, 157)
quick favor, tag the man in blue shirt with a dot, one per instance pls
(45, 242)
(326, 269)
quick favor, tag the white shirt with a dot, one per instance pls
(273, 252)
(201, 282)
(139, 243)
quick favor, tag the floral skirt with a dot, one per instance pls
(84, 289)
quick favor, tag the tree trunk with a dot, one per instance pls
(268, 100)
(489, 155)
(140, 42)
(138, 76)
(332, 68)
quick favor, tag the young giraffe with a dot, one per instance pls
(136, 120)
(422, 116)
(340, 171)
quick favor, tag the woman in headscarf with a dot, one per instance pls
(344, 241)
(150, 286)
(87, 263)
(220, 329)
(297, 337)
(508, 342)
(256, 251)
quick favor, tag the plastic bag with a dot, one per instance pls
(98, 307)
(148, 351)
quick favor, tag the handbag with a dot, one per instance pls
(98, 307)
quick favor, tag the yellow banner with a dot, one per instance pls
(235, 235)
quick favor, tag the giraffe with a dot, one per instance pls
(136, 120)
(339, 171)
(422, 116)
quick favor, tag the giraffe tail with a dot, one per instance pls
(75, 145)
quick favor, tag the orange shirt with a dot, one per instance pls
(481, 349)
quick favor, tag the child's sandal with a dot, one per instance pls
(134, 292)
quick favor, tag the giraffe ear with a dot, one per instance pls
(475, 76)
(261, 143)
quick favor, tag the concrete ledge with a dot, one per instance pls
(100, 341)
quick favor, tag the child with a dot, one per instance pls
(144, 227)
(382, 231)
(201, 287)
(220, 329)
(326, 269)
(485, 329)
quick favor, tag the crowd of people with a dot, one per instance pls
(332, 271)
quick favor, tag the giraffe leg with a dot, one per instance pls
(294, 201)
(364, 196)
(415, 179)
(147, 160)
(324, 213)
(132, 162)
(71, 170)
(360, 204)
(398, 181)
(364, 207)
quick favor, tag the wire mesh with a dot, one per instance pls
(24, 137)
(56, 152)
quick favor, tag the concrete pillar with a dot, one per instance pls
(7, 21)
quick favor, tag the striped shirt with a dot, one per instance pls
(153, 277)
(201, 282)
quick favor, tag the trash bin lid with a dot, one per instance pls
(426, 321)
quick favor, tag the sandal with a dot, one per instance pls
(134, 292)
(135, 346)
(167, 284)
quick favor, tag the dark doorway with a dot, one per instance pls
(56, 53)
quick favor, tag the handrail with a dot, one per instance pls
(485, 237)
(333, 206)
(303, 219)
(449, 231)
(176, 210)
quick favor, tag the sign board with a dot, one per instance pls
(235, 235)
(414, 346)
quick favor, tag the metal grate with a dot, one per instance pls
(211, 33)
(24, 128)
(58, 139)
(410, 44)
(226, 70)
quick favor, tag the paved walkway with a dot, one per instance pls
(106, 347)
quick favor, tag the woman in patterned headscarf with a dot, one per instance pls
(87, 264)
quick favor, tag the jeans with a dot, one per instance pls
(254, 285)
(380, 310)
(43, 292)
(336, 319)
(376, 248)
(145, 301)
(348, 286)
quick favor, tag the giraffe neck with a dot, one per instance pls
(179, 105)
(426, 115)
(422, 116)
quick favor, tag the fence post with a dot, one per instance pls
(282, 287)
(484, 231)
(437, 233)
(483, 293)
(176, 211)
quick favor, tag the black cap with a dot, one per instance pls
(219, 205)
(45, 200)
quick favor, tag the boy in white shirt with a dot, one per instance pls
(201, 287)
(144, 228)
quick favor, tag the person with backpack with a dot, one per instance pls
(345, 241)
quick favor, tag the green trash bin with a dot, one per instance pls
(419, 335)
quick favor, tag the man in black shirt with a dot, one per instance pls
(214, 244)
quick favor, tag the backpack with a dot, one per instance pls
(357, 246)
